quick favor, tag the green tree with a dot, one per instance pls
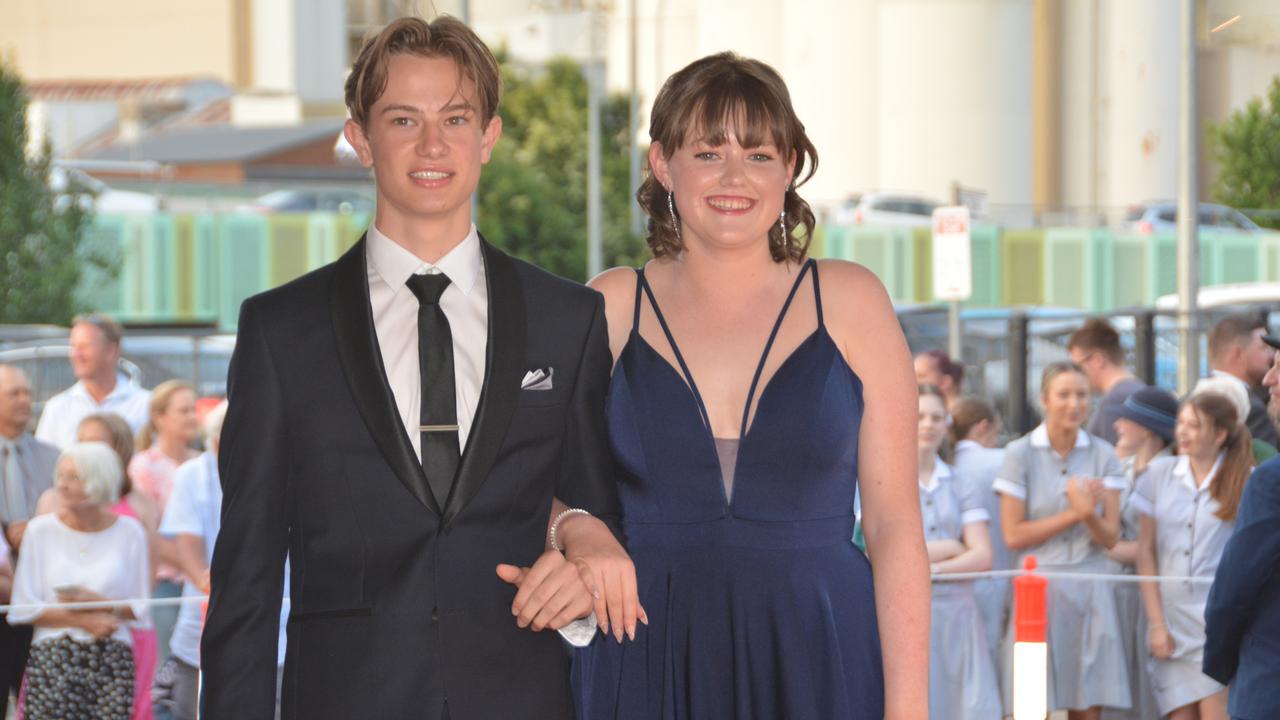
(533, 195)
(43, 256)
(1247, 149)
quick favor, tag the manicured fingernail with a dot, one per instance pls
(644, 618)
(631, 632)
(604, 627)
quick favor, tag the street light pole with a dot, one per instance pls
(595, 241)
(1188, 208)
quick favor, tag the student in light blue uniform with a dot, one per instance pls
(975, 433)
(1188, 507)
(1144, 433)
(1060, 501)
(962, 676)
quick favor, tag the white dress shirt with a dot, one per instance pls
(62, 414)
(465, 303)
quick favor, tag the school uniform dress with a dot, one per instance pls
(1087, 666)
(962, 676)
(1132, 616)
(1190, 538)
(980, 466)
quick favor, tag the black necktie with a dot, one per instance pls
(439, 416)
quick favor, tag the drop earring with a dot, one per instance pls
(671, 208)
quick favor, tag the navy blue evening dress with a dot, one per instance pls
(759, 605)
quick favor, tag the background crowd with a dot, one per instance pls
(110, 500)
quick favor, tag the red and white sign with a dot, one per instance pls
(952, 266)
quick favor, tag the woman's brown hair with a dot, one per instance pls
(966, 413)
(443, 37)
(161, 396)
(121, 441)
(1228, 484)
(705, 101)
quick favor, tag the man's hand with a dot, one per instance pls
(551, 593)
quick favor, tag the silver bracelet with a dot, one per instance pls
(555, 525)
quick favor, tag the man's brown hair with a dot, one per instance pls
(1097, 335)
(1232, 330)
(443, 37)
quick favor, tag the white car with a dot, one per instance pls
(891, 209)
(1163, 217)
(93, 194)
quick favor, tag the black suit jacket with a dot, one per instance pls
(395, 602)
(1259, 422)
(1242, 616)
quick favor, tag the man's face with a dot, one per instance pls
(1258, 356)
(426, 141)
(91, 355)
(15, 398)
(926, 370)
(1272, 382)
(1089, 361)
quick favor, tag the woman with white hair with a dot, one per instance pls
(81, 665)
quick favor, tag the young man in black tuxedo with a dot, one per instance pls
(399, 423)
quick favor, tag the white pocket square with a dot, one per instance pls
(538, 379)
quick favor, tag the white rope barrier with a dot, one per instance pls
(940, 577)
(1065, 575)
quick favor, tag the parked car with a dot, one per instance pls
(1163, 217)
(887, 208)
(145, 360)
(76, 186)
(304, 200)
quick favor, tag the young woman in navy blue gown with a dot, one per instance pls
(754, 390)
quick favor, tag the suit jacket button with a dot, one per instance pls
(435, 615)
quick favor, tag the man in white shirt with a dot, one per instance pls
(99, 388)
(1238, 352)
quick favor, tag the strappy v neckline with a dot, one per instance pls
(642, 283)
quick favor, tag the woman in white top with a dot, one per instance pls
(1060, 501)
(962, 677)
(1189, 507)
(81, 664)
(1144, 431)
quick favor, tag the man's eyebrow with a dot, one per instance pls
(460, 106)
(400, 108)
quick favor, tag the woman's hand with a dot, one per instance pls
(99, 623)
(609, 574)
(1160, 642)
(1081, 497)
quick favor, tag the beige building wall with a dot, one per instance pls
(119, 39)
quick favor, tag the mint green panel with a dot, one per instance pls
(184, 245)
(1066, 274)
(831, 242)
(161, 279)
(1131, 272)
(243, 265)
(1238, 257)
(98, 290)
(871, 248)
(1023, 271)
(206, 279)
(984, 256)
(1162, 253)
(1270, 244)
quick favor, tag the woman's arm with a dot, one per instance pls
(1124, 551)
(1021, 533)
(977, 553)
(1104, 530)
(940, 550)
(1158, 638)
(866, 329)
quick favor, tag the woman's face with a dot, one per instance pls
(1196, 435)
(933, 424)
(178, 421)
(1130, 436)
(1066, 400)
(69, 486)
(726, 195)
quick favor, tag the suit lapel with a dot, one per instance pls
(361, 361)
(504, 365)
